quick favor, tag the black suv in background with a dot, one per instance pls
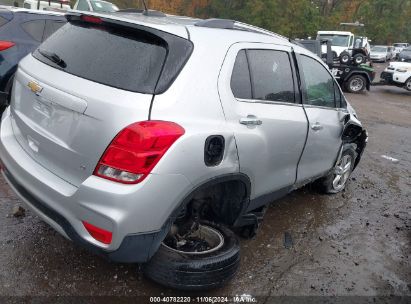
(21, 32)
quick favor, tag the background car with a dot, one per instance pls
(95, 6)
(47, 5)
(391, 52)
(405, 55)
(21, 32)
(397, 74)
(399, 46)
(380, 53)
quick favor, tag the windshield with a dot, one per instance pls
(400, 45)
(336, 40)
(101, 6)
(379, 49)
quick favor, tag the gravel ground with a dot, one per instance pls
(356, 243)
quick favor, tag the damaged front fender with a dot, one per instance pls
(354, 132)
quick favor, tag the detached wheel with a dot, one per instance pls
(359, 59)
(408, 84)
(356, 84)
(337, 179)
(345, 57)
(207, 258)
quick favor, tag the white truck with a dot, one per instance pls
(345, 45)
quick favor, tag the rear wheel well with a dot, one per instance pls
(222, 201)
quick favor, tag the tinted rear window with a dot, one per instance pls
(3, 21)
(123, 58)
(240, 79)
(34, 28)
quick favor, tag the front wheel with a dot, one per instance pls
(356, 84)
(337, 179)
(203, 259)
(408, 84)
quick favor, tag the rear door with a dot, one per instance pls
(66, 111)
(325, 108)
(260, 99)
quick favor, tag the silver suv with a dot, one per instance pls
(149, 138)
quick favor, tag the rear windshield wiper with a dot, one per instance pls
(53, 57)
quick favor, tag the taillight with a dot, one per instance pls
(4, 45)
(136, 150)
(98, 233)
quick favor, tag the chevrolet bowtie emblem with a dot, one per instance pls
(34, 87)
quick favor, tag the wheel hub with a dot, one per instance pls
(342, 172)
(356, 84)
(202, 240)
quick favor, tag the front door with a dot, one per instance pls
(258, 90)
(324, 107)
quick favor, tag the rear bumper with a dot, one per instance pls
(137, 215)
(133, 249)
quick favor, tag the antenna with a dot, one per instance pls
(145, 5)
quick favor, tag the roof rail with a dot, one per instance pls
(235, 25)
(216, 23)
(153, 13)
(256, 29)
(149, 13)
(130, 10)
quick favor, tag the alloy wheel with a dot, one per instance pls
(342, 172)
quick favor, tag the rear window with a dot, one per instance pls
(124, 58)
(3, 21)
(34, 28)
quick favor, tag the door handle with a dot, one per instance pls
(250, 120)
(317, 126)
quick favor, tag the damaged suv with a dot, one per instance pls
(149, 138)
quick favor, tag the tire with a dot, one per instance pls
(185, 271)
(8, 88)
(359, 59)
(408, 84)
(345, 57)
(356, 84)
(330, 184)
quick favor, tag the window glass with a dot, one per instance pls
(27, 5)
(83, 5)
(271, 75)
(34, 28)
(3, 21)
(51, 27)
(319, 85)
(240, 79)
(119, 57)
(101, 6)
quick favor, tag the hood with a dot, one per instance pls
(402, 65)
(378, 53)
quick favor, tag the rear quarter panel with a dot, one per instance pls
(193, 102)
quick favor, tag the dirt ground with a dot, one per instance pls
(356, 243)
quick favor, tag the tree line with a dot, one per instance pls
(386, 21)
